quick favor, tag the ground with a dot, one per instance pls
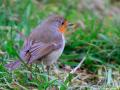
(92, 54)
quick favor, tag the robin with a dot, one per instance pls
(45, 43)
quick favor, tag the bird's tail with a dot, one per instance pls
(13, 65)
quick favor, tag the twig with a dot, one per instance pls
(78, 66)
(74, 70)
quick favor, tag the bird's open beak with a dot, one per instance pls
(70, 24)
(73, 26)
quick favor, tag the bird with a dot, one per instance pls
(45, 44)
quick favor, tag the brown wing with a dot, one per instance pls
(35, 50)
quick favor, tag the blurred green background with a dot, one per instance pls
(97, 38)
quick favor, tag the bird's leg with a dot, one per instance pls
(48, 69)
(37, 68)
(56, 71)
(42, 67)
(31, 77)
(48, 72)
(30, 69)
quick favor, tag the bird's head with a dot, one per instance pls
(58, 22)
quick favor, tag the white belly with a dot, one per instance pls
(53, 57)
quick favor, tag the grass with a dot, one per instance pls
(98, 40)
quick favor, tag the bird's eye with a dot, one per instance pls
(62, 23)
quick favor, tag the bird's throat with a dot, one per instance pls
(62, 29)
